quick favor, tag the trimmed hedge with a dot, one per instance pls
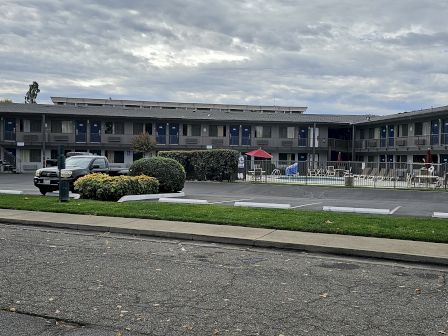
(211, 165)
(111, 188)
(169, 172)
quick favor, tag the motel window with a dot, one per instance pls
(27, 126)
(61, 126)
(115, 156)
(286, 132)
(148, 128)
(361, 134)
(191, 130)
(114, 127)
(31, 155)
(217, 131)
(262, 131)
(137, 128)
(418, 128)
(404, 130)
(371, 133)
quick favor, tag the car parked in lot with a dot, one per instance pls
(47, 179)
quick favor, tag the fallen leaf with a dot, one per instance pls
(328, 222)
(418, 291)
(323, 295)
(12, 309)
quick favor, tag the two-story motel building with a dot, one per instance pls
(32, 133)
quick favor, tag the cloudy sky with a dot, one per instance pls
(345, 56)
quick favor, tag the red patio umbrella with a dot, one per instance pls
(260, 153)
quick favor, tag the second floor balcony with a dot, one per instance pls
(185, 142)
(404, 143)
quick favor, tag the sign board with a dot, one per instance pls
(20, 144)
(209, 147)
(241, 162)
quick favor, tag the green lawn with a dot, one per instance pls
(423, 229)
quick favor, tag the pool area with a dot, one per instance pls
(312, 179)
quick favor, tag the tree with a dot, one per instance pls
(31, 95)
(143, 143)
(5, 101)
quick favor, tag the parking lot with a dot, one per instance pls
(398, 202)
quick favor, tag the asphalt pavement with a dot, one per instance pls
(61, 282)
(399, 202)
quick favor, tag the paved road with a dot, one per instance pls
(120, 285)
(403, 202)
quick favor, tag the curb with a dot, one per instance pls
(258, 242)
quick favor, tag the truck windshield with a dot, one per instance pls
(81, 162)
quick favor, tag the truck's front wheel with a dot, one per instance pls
(43, 191)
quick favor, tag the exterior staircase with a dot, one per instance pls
(8, 164)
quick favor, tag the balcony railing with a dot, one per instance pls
(417, 141)
(273, 143)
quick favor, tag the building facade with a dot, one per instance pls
(32, 133)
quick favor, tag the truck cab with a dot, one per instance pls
(47, 179)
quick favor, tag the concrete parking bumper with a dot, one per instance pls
(393, 249)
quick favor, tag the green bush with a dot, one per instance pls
(211, 165)
(169, 172)
(111, 188)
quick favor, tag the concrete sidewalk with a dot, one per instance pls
(402, 250)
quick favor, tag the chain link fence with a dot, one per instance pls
(348, 173)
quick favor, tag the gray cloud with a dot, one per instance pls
(345, 57)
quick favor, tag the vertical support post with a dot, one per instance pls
(353, 143)
(63, 182)
(314, 146)
(44, 140)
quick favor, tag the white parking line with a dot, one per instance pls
(304, 205)
(183, 200)
(263, 205)
(394, 210)
(11, 192)
(357, 210)
(239, 200)
(440, 215)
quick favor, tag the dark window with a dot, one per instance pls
(148, 128)
(196, 130)
(109, 127)
(56, 126)
(35, 126)
(404, 130)
(119, 157)
(35, 155)
(54, 154)
(119, 128)
(418, 128)
(371, 133)
(361, 134)
(138, 128)
(213, 130)
(185, 130)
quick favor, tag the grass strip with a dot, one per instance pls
(408, 228)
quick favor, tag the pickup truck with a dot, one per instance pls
(47, 179)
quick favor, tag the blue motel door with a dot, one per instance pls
(383, 136)
(245, 140)
(95, 131)
(10, 129)
(434, 132)
(391, 136)
(174, 134)
(81, 131)
(234, 135)
(161, 134)
(303, 136)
